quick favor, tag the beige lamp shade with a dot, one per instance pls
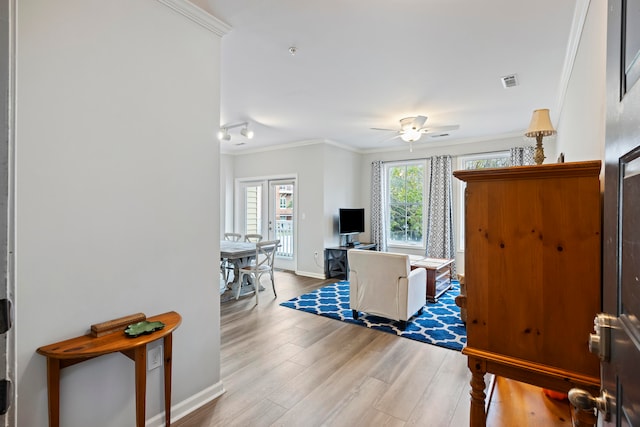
(540, 124)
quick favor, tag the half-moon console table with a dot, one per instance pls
(76, 350)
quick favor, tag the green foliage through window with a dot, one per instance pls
(496, 159)
(406, 193)
(495, 162)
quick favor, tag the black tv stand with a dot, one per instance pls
(335, 259)
(348, 240)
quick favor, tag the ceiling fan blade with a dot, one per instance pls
(390, 130)
(440, 129)
(391, 138)
(419, 121)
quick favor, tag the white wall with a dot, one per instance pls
(117, 182)
(581, 127)
(226, 193)
(341, 190)
(324, 172)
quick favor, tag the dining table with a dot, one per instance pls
(239, 254)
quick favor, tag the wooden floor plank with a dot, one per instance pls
(411, 380)
(331, 394)
(437, 404)
(360, 411)
(330, 358)
(282, 367)
(512, 400)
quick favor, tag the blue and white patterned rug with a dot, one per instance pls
(439, 324)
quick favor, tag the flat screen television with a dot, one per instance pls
(351, 221)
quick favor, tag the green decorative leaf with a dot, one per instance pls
(142, 328)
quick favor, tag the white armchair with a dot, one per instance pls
(383, 284)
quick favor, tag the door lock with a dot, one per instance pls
(600, 340)
(583, 400)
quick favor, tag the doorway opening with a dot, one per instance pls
(267, 207)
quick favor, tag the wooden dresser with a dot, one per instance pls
(532, 269)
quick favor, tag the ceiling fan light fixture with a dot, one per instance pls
(406, 124)
(412, 123)
(412, 129)
(411, 135)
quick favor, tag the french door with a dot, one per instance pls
(267, 207)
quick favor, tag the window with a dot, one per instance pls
(487, 160)
(498, 159)
(406, 187)
(283, 202)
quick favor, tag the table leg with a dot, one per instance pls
(240, 285)
(141, 383)
(168, 349)
(431, 285)
(477, 415)
(53, 388)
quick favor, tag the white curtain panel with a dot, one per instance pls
(378, 208)
(522, 156)
(440, 239)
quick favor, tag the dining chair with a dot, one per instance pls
(253, 238)
(225, 266)
(234, 237)
(265, 254)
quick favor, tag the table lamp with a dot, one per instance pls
(540, 127)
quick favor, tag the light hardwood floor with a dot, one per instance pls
(283, 367)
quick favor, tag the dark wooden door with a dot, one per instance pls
(621, 246)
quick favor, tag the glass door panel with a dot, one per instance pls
(281, 221)
(267, 207)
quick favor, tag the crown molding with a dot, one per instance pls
(289, 146)
(197, 15)
(400, 148)
(577, 26)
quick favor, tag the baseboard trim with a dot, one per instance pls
(310, 274)
(188, 405)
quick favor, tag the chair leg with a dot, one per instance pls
(355, 314)
(273, 285)
(403, 325)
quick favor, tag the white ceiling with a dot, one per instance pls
(362, 64)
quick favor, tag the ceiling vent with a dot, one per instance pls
(509, 81)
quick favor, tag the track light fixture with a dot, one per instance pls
(223, 133)
(246, 132)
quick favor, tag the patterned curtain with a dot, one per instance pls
(522, 156)
(378, 208)
(440, 241)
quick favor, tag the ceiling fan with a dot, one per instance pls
(412, 128)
